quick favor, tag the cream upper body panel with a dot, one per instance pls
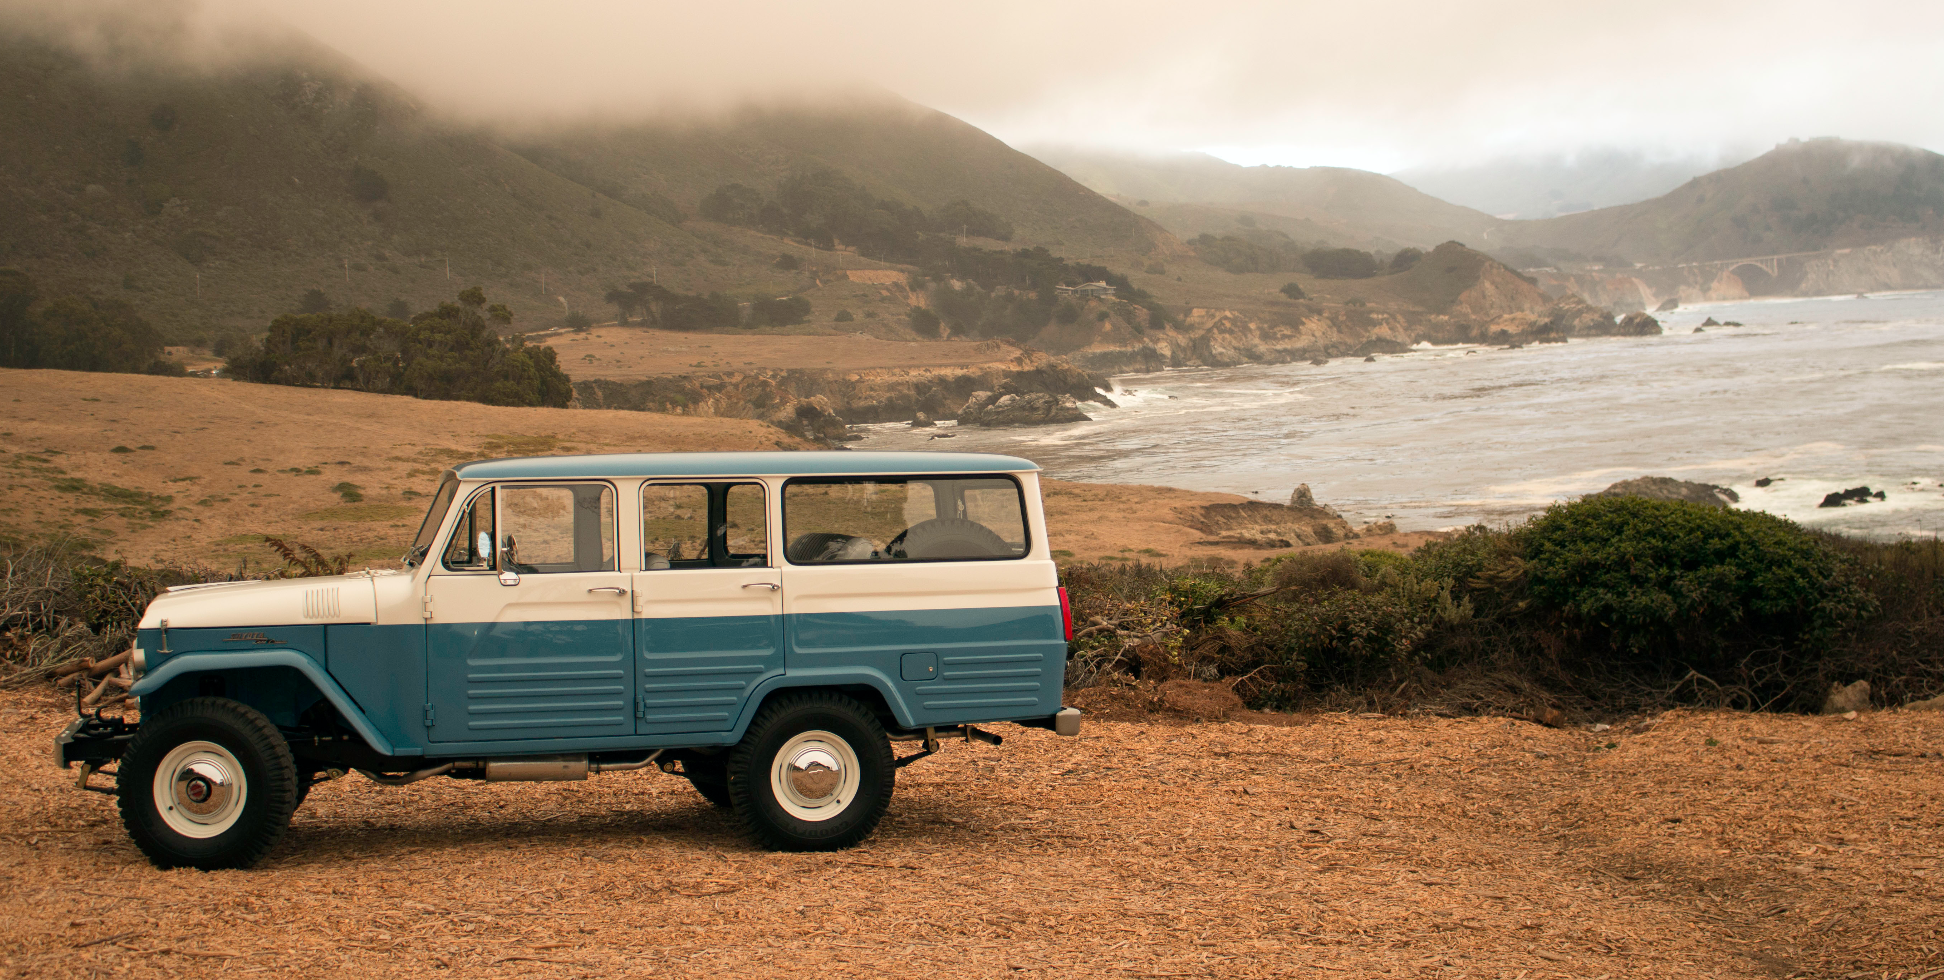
(319, 601)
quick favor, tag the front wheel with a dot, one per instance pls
(814, 773)
(207, 783)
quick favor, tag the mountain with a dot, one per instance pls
(1191, 193)
(1547, 186)
(211, 198)
(1802, 196)
(896, 149)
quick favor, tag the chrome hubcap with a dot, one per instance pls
(199, 789)
(815, 776)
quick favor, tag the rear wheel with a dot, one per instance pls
(814, 773)
(207, 783)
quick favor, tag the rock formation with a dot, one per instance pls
(1668, 488)
(993, 410)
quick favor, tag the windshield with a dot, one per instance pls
(434, 517)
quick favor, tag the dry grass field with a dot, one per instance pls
(1701, 845)
(197, 470)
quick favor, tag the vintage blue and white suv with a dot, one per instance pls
(764, 624)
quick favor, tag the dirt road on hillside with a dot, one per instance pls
(1339, 847)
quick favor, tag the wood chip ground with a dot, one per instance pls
(1706, 845)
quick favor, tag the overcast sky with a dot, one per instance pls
(1381, 84)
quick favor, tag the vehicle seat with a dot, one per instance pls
(653, 562)
(822, 546)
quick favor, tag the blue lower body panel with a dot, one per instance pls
(994, 664)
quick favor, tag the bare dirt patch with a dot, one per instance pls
(1165, 525)
(633, 353)
(1706, 845)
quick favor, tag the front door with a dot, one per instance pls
(709, 606)
(530, 632)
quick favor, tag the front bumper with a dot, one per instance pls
(92, 740)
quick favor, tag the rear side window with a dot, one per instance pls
(895, 519)
(703, 525)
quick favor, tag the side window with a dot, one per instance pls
(888, 519)
(745, 525)
(674, 525)
(557, 529)
(463, 552)
(703, 525)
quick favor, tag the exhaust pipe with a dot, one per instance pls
(530, 769)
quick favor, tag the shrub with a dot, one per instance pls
(844, 316)
(924, 322)
(577, 321)
(313, 301)
(1293, 291)
(398, 309)
(787, 262)
(780, 312)
(1405, 259)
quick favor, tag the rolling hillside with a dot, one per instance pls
(1192, 193)
(213, 199)
(1802, 196)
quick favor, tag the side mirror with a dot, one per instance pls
(509, 577)
(483, 546)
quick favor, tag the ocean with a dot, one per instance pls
(1814, 395)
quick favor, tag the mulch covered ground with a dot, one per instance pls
(1706, 844)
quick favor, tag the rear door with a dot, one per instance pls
(927, 581)
(531, 631)
(709, 605)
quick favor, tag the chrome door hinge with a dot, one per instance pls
(428, 605)
(428, 715)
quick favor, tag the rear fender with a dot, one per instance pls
(838, 677)
(282, 671)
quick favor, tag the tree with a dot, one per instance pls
(78, 334)
(733, 204)
(448, 353)
(314, 301)
(1293, 291)
(787, 262)
(624, 302)
(369, 185)
(18, 346)
(577, 321)
(1405, 259)
(398, 309)
(1340, 263)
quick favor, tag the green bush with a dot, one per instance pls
(1293, 291)
(1340, 263)
(1673, 584)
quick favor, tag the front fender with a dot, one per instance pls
(825, 677)
(193, 663)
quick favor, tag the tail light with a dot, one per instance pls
(1066, 613)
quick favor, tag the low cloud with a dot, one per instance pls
(1381, 86)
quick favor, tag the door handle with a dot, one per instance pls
(772, 586)
(610, 589)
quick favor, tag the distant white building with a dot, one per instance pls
(1091, 290)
